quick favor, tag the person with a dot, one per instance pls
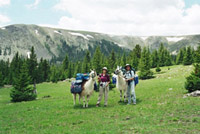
(104, 81)
(129, 76)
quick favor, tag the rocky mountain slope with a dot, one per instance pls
(52, 42)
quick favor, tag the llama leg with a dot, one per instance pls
(88, 98)
(120, 95)
(74, 98)
(83, 101)
(125, 95)
(79, 99)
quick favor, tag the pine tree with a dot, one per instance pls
(193, 81)
(1, 80)
(197, 55)
(15, 68)
(69, 70)
(168, 58)
(137, 50)
(112, 61)
(180, 56)
(187, 60)
(155, 59)
(96, 62)
(78, 68)
(54, 75)
(66, 63)
(32, 66)
(145, 65)
(22, 91)
(123, 60)
(86, 63)
(162, 55)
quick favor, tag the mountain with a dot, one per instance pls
(55, 43)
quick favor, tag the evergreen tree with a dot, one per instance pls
(86, 63)
(123, 60)
(22, 91)
(96, 63)
(69, 70)
(168, 58)
(54, 75)
(15, 68)
(145, 65)
(78, 68)
(137, 50)
(66, 63)
(193, 81)
(32, 66)
(1, 80)
(162, 55)
(197, 55)
(155, 59)
(187, 60)
(112, 60)
(180, 56)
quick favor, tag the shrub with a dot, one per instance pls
(158, 69)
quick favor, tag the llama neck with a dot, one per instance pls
(90, 83)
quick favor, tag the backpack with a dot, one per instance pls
(76, 87)
(136, 79)
(80, 77)
(114, 79)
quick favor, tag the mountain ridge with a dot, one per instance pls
(56, 42)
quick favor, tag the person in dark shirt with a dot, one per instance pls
(104, 81)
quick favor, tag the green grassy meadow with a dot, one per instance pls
(160, 108)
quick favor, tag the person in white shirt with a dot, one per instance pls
(129, 75)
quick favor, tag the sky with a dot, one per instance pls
(118, 17)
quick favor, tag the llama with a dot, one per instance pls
(121, 83)
(88, 88)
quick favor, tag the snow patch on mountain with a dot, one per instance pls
(174, 39)
(89, 36)
(144, 37)
(3, 28)
(79, 34)
(28, 54)
(36, 32)
(57, 32)
(174, 52)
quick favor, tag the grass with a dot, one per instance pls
(160, 108)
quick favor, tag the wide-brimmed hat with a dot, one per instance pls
(127, 65)
(105, 68)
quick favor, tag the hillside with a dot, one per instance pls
(51, 42)
(161, 108)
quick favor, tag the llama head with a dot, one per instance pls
(118, 70)
(93, 73)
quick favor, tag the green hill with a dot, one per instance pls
(160, 108)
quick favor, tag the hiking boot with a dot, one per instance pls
(134, 103)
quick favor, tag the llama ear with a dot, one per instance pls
(90, 70)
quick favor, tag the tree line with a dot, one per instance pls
(140, 59)
(23, 71)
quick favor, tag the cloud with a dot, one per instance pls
(4, 2)
(130, 17)
(4, 19)
(34, 5)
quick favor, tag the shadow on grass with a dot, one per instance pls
(125, 103)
